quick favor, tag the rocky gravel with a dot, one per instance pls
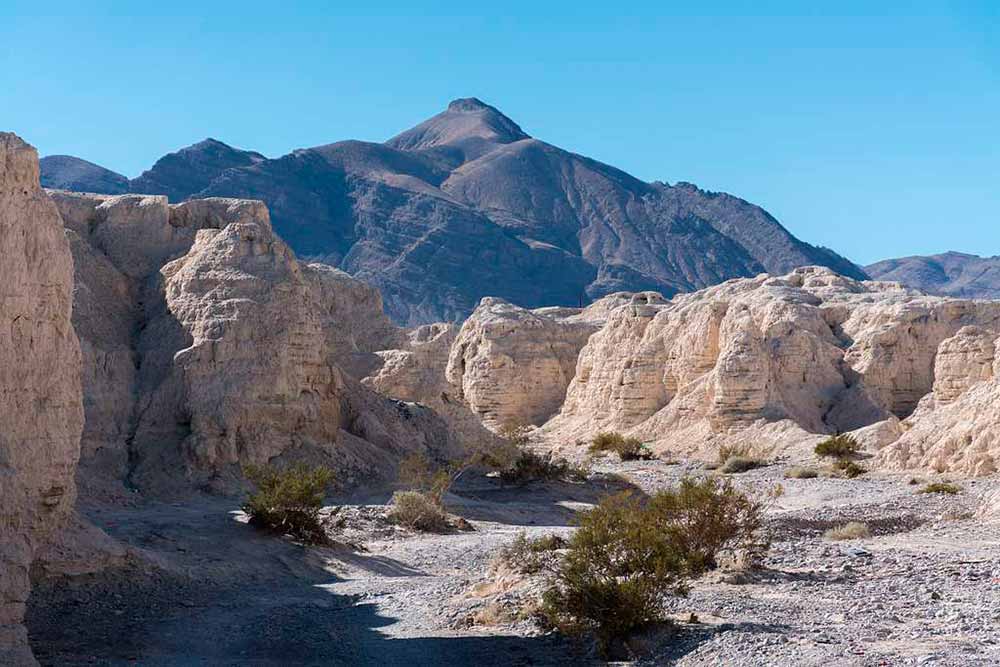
(923, 589)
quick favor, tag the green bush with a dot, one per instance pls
(288, 501)
(627, 449)
(849, 468)
(529, 556)
(628, 553)
(529, 466)
(615, 574)
(941, 487)
(418, 511)
(417, 473)
(838, 446)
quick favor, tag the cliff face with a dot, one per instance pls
(775, 363)
(208, 345)
(41, 408)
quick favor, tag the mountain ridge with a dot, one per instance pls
(466, 204)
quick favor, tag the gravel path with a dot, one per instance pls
(204, 588)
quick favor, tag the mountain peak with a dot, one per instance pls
(469, 104)
(468, 126)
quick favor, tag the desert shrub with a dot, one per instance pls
(529, 556)
(705, 518)
(627, 449)
(529, 466)
(941, 487)
(799, 472)
(515, 433)
(727, 452)
(838, 446)
(288, 500)
(737, 464)
(855, 530)
(418, 511)
(618, 568)
(629, 552)
(417, 473)
(849, 468)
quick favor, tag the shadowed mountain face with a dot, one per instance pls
(467, 205)
(949, 274)
(65, 172)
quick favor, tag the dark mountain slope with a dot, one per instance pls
(466, 205)
(65, 172)
(950, 274)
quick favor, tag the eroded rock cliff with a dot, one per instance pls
(41, 409)
(208, 345)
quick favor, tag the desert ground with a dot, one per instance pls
(203, 587)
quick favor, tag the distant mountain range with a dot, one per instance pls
(466, 205)
(949, 274)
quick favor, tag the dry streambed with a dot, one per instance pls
(202, 587)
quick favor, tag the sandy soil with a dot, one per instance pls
(203, 588)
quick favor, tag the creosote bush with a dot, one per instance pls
(627, 449)
(855, 530)
(799, 472)
(849, 468)
(737, 464)
(629, 552)
(838, 447)
(288, 501)
(529, 556)
(417, 511)
(941, 487)
(516, 464)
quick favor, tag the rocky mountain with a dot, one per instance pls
(65, 172)
(467, 205)
(950, 273)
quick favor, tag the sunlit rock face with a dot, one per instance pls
(41, 409)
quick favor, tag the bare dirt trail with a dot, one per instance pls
(225, 594)
(922, 590)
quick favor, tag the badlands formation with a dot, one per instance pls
(775, 363)
(151, 349)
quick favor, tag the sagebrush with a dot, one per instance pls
(289, 500)
(838, 446)
(415, 510)
(529, 556)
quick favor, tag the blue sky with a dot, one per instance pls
(876, 133)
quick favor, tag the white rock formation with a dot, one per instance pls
(207, 345)
(771, 362)
(41, 409)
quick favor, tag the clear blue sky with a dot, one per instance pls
(877, 134)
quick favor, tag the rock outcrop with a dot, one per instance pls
(208, 345)
(41, 409)
(773, 361)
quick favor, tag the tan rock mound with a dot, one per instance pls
(208, 345)
(768, 361)
(41, 409)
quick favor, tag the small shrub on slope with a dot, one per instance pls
(288, 500)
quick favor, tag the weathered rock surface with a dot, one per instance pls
(208, 345)
(467, 205)
(512, 365)
(41, 409)
(772, 361)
